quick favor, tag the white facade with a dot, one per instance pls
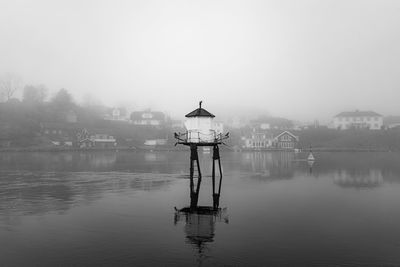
(265, 126)
(200, 129)
(153, 118)
(258, 140)
(372, 122)
(102, 138)
(147, 122)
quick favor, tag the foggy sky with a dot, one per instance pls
(299, 59)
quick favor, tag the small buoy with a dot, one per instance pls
(310, 157)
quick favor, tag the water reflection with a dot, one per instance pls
(200, 228)
(154, 157)
(31, 193)
(355, 170)
(161, 162)
(361, 179)
(310, 164)
(269, 165)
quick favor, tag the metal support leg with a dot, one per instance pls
(216, 195)
(194, 194)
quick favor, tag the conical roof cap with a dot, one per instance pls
(200, 112)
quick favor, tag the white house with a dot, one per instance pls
(116, 114)
(258, 139)
(96, 140)
(358, 119)
(153, 118)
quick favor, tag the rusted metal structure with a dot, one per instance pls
(200, 132)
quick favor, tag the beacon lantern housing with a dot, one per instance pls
(199, 126)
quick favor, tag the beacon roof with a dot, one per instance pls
(200, 112)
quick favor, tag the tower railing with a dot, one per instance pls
(196, 136)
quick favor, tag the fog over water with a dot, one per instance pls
(303, 60)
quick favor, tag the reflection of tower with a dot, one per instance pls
(200, 132)
(200, 228)
(310, 165)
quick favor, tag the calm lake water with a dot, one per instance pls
(117, 209)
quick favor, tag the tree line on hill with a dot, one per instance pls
(22, 121)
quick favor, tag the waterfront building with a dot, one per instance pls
(286, 141)
(87, 140)
(258, 139)
(358, 120)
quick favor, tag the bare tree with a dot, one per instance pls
(9, 84)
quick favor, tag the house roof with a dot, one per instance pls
(358, 113)
(289, 133)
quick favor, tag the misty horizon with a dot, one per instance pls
(303, 60)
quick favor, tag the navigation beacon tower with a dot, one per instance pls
(200, 132)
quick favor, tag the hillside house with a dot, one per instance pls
(152, 118)
(358, 120)
(116, 114)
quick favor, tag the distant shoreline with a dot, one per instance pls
(170, 149)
